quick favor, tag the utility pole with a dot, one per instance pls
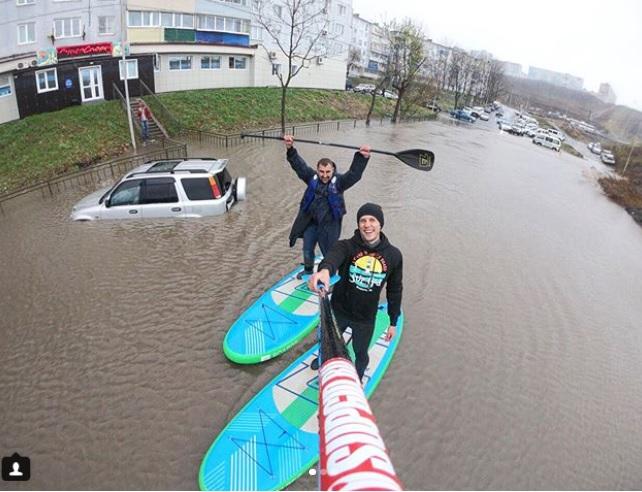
(123, 39)
(629, 157)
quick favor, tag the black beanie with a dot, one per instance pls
(371, 209)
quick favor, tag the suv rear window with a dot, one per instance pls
(198, 188)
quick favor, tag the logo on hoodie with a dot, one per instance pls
(368, 270)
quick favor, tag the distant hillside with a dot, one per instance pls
(621, 122)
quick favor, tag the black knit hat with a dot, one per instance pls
(371, 209)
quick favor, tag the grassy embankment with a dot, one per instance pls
(46, 145)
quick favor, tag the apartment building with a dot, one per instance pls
(56, 53)
(556, 78)
(606, 93)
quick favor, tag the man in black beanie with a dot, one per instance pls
(366, 262)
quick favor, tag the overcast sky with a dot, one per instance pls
(600, 41)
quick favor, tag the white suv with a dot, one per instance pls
(194, 187)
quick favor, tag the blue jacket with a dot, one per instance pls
(322, 203)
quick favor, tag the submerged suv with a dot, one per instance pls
(193, 187)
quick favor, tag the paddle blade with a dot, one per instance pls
(420, 159)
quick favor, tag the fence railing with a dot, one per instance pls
(170, 123)
(111, 169)
(194, 135)
(173, 149)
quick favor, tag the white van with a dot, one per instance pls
(548, 141)
(556, 133)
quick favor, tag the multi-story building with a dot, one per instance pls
(606, 93)
(56, 53)
(556, 78)
(513, 70)
(360, 42)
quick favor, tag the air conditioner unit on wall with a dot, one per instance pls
(272, 55)
(320, 60)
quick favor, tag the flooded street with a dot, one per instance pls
(520, 365)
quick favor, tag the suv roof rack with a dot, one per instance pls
(171, 171)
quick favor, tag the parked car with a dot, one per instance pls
(166, 188)
(390, 95)
(607, 158)
(556, 133)
(463, 115)
(505, 126)
(596, 148)
(484, 116)
(517, 129)
(434, 107)
(365, 88)
(548, 141)
(499, 114)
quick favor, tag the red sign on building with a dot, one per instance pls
(84, 50)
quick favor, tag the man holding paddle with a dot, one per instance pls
(322, 207)
(366, 262)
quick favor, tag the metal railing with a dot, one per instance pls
(112, 169)
(167, 120)
(178, 148)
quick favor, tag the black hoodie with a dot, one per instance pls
(364, 270)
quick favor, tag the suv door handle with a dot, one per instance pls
(133, 211)
(176, 209)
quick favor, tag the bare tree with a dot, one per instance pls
(495, 82)
(459, 74)
(354, 60)
(295, 28)
(406, 40)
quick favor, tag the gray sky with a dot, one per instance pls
(600, 41)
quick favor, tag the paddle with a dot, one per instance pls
(420, 159)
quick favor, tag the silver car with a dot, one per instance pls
(193, 187)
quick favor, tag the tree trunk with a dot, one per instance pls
(371, 108)
(395, 115)
(283, 94)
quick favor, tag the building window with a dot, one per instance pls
(67, 28)
(184, 21)
(237, 62)
(180, 63)
(47, 80)
(276, 68)
(342, 9)
(25, 2)
(132, 69)
(5, 86)
(143, 18)
(27, 33)
(210, 62)
(257, 33)
(178, 20)
(228, 24)
(105, 24)
(278, 10)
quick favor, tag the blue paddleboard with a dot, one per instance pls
(281, 317)
(274, 439)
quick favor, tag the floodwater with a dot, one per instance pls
(520, 366)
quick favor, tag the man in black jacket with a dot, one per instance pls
(366, 262)
(322, 207)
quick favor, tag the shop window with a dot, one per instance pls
(47, 80)
(237, 62)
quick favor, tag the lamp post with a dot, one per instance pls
(629, 157)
